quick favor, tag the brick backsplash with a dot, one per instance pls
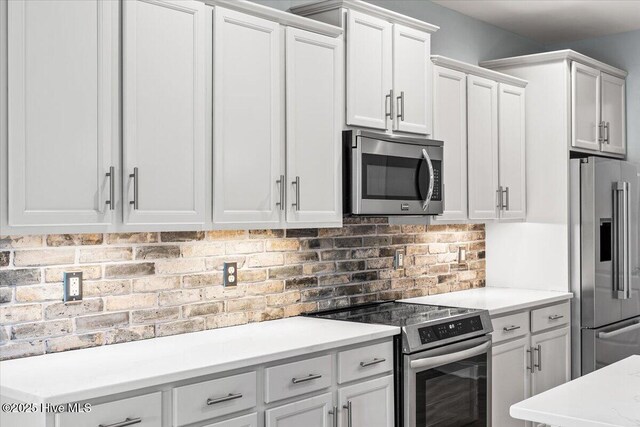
(145, 285)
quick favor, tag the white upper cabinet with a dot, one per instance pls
(482, 116)
(313, 130)
(450, 125)
(248, 121)
(614, 114)
(585, 100)
(412, 80)
(369, 67)
(166, 59)
(62, 122)
(511, 119)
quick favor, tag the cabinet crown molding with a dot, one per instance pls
(364, 7)
(464, 67)
(558, 55)
(281, 17)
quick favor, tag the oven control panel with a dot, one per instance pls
(452, 329)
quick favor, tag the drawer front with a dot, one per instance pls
(211, 399)
(364, 362)
(507, 327)
(146, 408)
(293, 379)
(550, 317)
(250, 420)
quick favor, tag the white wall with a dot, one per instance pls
(460, 37)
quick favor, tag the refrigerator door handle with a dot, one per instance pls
(621, 264)
(626, 329)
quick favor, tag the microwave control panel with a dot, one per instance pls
(451, 329)
(437, 181)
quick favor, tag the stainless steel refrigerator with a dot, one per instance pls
(605, 262)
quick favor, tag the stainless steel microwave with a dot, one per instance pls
(392, 175)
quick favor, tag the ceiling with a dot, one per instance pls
(553, 21)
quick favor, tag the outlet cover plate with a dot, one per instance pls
(72, 286)
(230, 274)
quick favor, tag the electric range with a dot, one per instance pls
(442, 361)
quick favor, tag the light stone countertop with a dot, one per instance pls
(496, 300)
(85, 374)
(605, 398)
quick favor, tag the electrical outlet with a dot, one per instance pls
(398, 260)
(72, 285)
(230, 274)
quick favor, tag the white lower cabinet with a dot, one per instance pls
(525, 363)
(367, 404)
(141, 411)
(311, 412)
(250, 420)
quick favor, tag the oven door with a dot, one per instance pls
(394, 178)
(449, 386)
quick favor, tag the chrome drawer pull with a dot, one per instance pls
(510, 328)
(226, 398)
(375, 361)
(556, 316)
(305, 379)
(125, 423)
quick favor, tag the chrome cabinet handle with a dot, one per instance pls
(297, 184)
(310, 377)
(125, 423)
(499, 193)
(621, 263)
(530, 355)
(539, 364)
(505, 200)
(226, 398)
(112, 188)
(280, 183)
(556, 316)
(600, 127)
(400, 99)
(334, 415)
(349, 413)
(510, 328)
(135, 175)
(607, 133)
(427, 200)
(388, 112)
(375, 361)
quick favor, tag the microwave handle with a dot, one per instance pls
(432, 362)
(425, 203)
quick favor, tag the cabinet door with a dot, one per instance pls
(312, 412)
(314, 125)
(450, 125)
(368, 71)
(250, 420)
(614, 114)
(412, 80)
(166, 57)
(63, 108)
(509, 380)
(371, 403)
(512, 166)
(482, 146)
(585, 107)
(247, 137)
(552, 359)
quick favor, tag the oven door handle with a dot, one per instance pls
(425, 203)
(432, 362)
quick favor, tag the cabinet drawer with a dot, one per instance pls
(146, 408)
(550, 317)
(293, 379)
(507, 327)
(364, 362)
(211, 399)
